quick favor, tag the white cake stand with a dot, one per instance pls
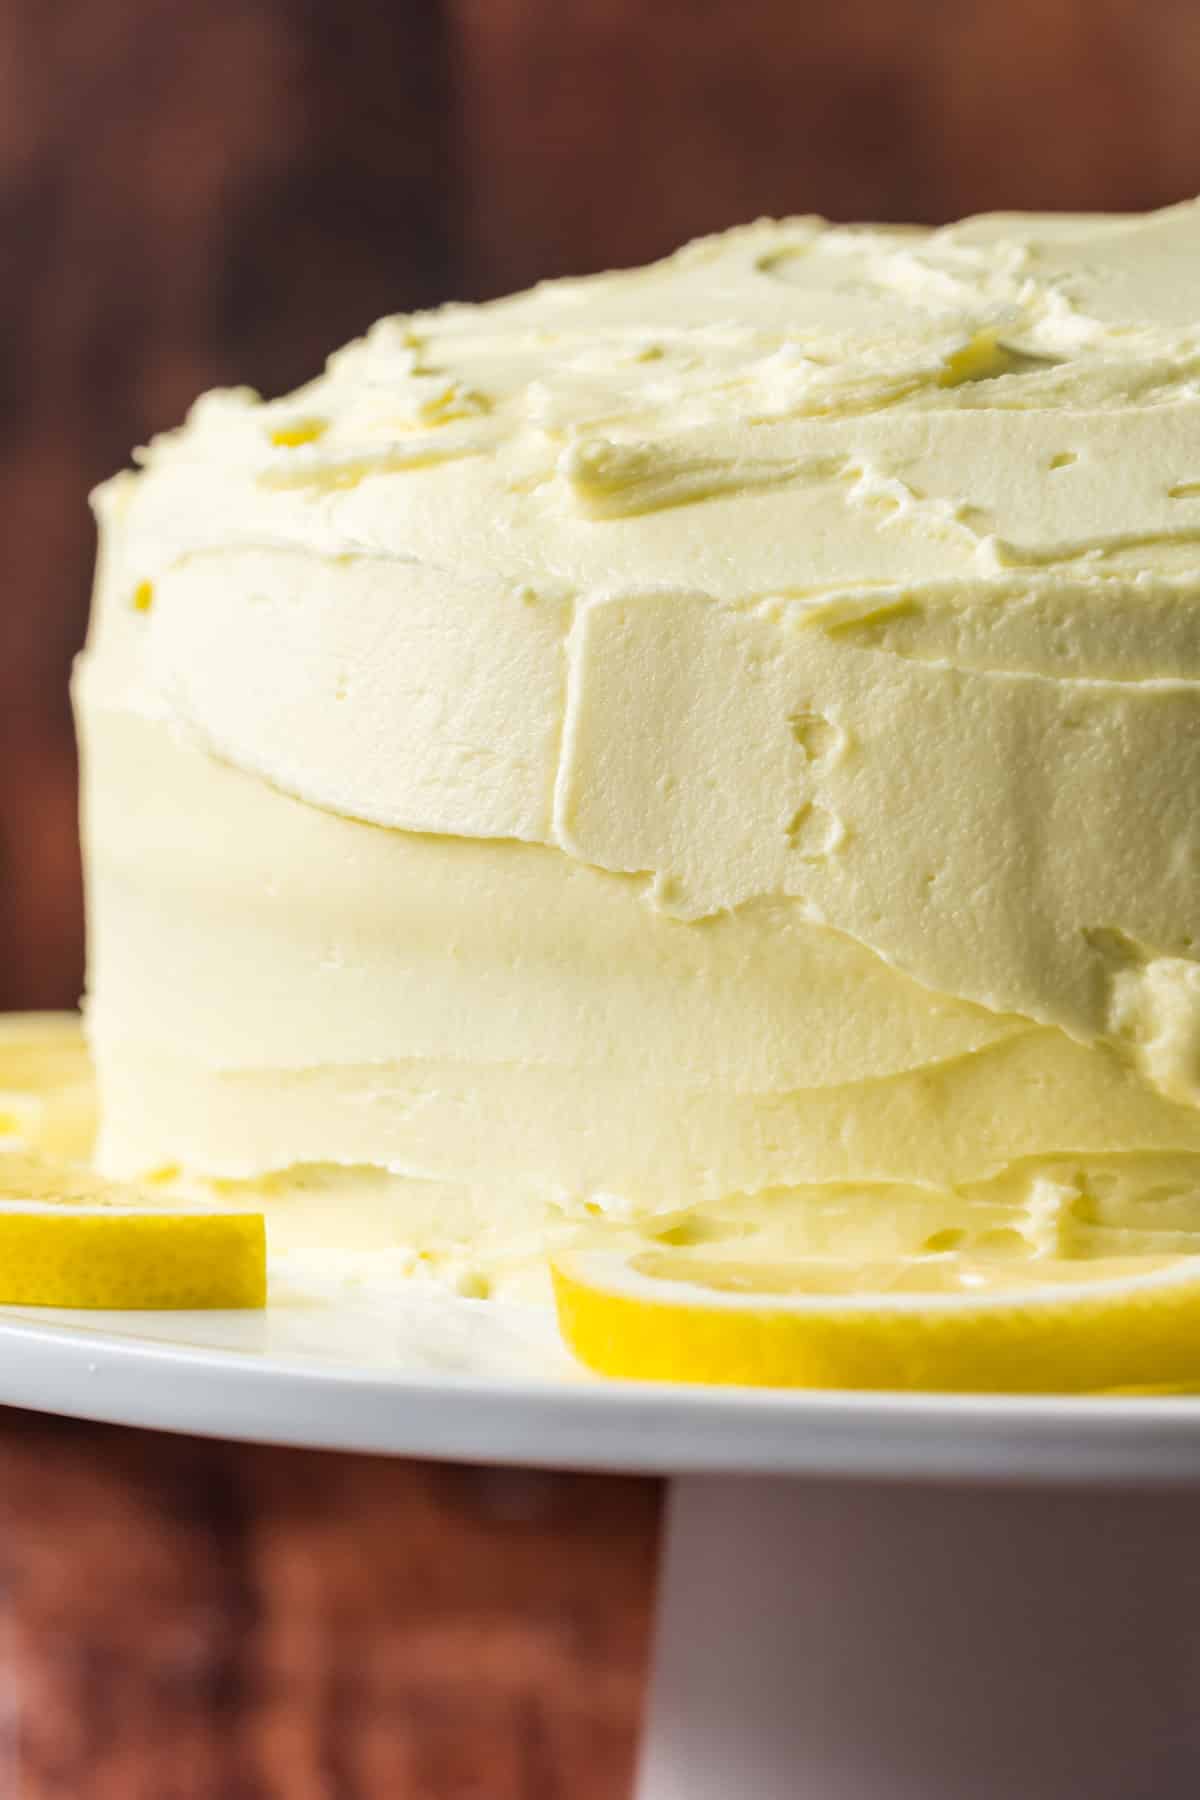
(863, 1597)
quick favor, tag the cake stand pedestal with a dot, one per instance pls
(863, 1597)
(825, 1640)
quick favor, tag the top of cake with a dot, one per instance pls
(535, 570)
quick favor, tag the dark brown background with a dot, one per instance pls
(203, 191)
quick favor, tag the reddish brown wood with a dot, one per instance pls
(189, 195)
(601, 132)
(191, 1621)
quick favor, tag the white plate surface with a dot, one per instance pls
(419, 1374)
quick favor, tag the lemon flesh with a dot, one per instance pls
(47, 1094)
(69, 1239)
(935, 1324)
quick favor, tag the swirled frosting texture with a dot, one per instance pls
(723, 728)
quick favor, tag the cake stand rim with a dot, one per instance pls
(100, 1374)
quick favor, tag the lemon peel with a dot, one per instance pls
(69, 1239)
(939, 1324)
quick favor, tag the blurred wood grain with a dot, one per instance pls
(600, 132)
(190, 195)
(191, 1621)
(194, 194)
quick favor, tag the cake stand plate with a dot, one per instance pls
(863, 1597)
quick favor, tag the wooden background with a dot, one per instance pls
(203, 191)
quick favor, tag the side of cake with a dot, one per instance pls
(707, 752)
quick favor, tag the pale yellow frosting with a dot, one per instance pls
(720, 736)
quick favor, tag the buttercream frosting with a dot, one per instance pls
(718, 730)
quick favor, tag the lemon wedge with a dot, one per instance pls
(47, 1098)
(935, 1324)
(69, 1239)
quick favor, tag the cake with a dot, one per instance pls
(706, 754)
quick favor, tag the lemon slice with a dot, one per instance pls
(47, 1099)
(69, 1239)
(939, 1323)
